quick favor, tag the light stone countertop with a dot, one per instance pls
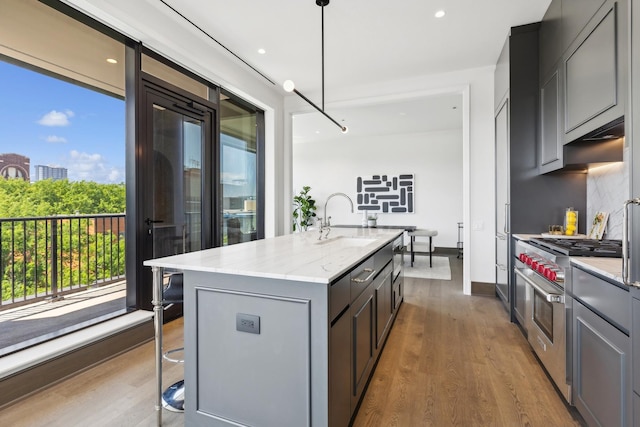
(525, 237)
(607, 267)
(297, 257)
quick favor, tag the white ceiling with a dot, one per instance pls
(366, 41)
(419, 115)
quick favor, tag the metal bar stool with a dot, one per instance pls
(173, 397)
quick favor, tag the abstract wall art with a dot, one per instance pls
(386, 193)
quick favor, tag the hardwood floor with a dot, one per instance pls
(455, 360)
(450, 360)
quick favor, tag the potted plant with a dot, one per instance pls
(304, 207)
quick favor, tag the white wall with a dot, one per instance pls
(434, 158)
(476, 87)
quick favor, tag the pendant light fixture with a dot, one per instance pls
(289, 86)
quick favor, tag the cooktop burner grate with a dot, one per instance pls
(580, 247)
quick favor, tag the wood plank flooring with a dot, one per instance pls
(450, 360)
(455, 360)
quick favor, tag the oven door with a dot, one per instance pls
(546, 326)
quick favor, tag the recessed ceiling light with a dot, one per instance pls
(112, 61)
(262, 51)
(439, 14)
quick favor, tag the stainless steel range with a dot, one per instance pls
(543, 268)
(580, 247)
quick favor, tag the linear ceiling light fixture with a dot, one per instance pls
(216, 41)
(289, 86)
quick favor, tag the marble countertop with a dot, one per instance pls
(607, 267)
(525, 236)
(297, 257)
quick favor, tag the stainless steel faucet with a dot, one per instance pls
(327, 219)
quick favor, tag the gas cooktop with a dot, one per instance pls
(580, 247)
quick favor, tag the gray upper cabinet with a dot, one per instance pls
(550, 37)
(551, 135)
(595, 72)
(575, 16)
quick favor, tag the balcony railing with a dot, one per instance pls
(48, 257)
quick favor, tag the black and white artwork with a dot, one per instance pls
(386, 193)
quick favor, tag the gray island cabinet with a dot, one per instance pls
(285, 331)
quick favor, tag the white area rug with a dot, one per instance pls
(440, 270)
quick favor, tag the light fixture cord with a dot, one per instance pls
(322, 32)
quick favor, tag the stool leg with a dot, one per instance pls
(157, 321)
(412, 253)
(430, 252)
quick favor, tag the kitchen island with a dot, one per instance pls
(286, 330)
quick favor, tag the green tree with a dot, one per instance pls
(87, 252)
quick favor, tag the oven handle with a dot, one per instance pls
(550, 297)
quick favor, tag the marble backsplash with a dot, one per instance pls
(607, 189)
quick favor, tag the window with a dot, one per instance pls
(62, 195)
(240, 153)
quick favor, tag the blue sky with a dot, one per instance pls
(56, 123)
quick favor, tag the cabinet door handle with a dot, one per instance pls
(625, 242)
(506, 218)
(371, 272)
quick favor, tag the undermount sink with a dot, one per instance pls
(347, 241)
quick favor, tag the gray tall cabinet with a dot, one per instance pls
(633, 139)
(527, 200)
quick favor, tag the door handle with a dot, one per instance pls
(150, 221)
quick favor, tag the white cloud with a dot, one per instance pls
(56, 139)
(92, 167)
(116, 176)
(56, 118)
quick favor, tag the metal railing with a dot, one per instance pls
(48, 257)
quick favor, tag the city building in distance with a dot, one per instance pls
(50, 172)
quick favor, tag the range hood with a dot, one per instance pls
(603, 145)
